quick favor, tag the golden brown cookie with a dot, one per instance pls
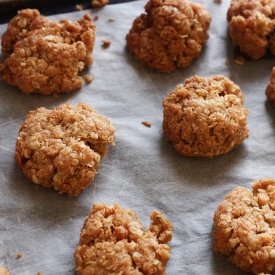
(270, 89)
(62, 148)
(244, 227)
(99, 3)
(205, 116)
(45, 56)
(112, 241)
(251, 26)
(4, 271)
(171, 34)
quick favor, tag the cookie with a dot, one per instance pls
(244, 227)
(270, 89)
(112, 241)
(45, 56)
(4, 271)
(205, 116)
(251, 26)
(62, 148)
(170, 35)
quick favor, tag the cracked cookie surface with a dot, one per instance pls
(62, 148)
(112, 241)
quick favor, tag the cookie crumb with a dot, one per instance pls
(217, 1)
(226, 62)
(146, 123)
(239, 60)
(79, 7)
(39, 273)
(19, 255)
(106, 43)
(96, 17)
(89, 78)
(111, 19)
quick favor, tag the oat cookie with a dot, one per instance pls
(244, 227)
(45, 56)
(205, 116)
(251, 26)
(270, 89)
(4, 271)
(171, 34)
(99, 3)
(112, 241)
(62, 148)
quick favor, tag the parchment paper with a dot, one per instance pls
(142, 171)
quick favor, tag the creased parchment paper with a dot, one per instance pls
(142, 171)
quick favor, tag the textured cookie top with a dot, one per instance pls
(29, 22)
(251, 26)
(205, 116)
(170, 35)
(244, 227)
(45, 56)
(62, 148)
(112, 241)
